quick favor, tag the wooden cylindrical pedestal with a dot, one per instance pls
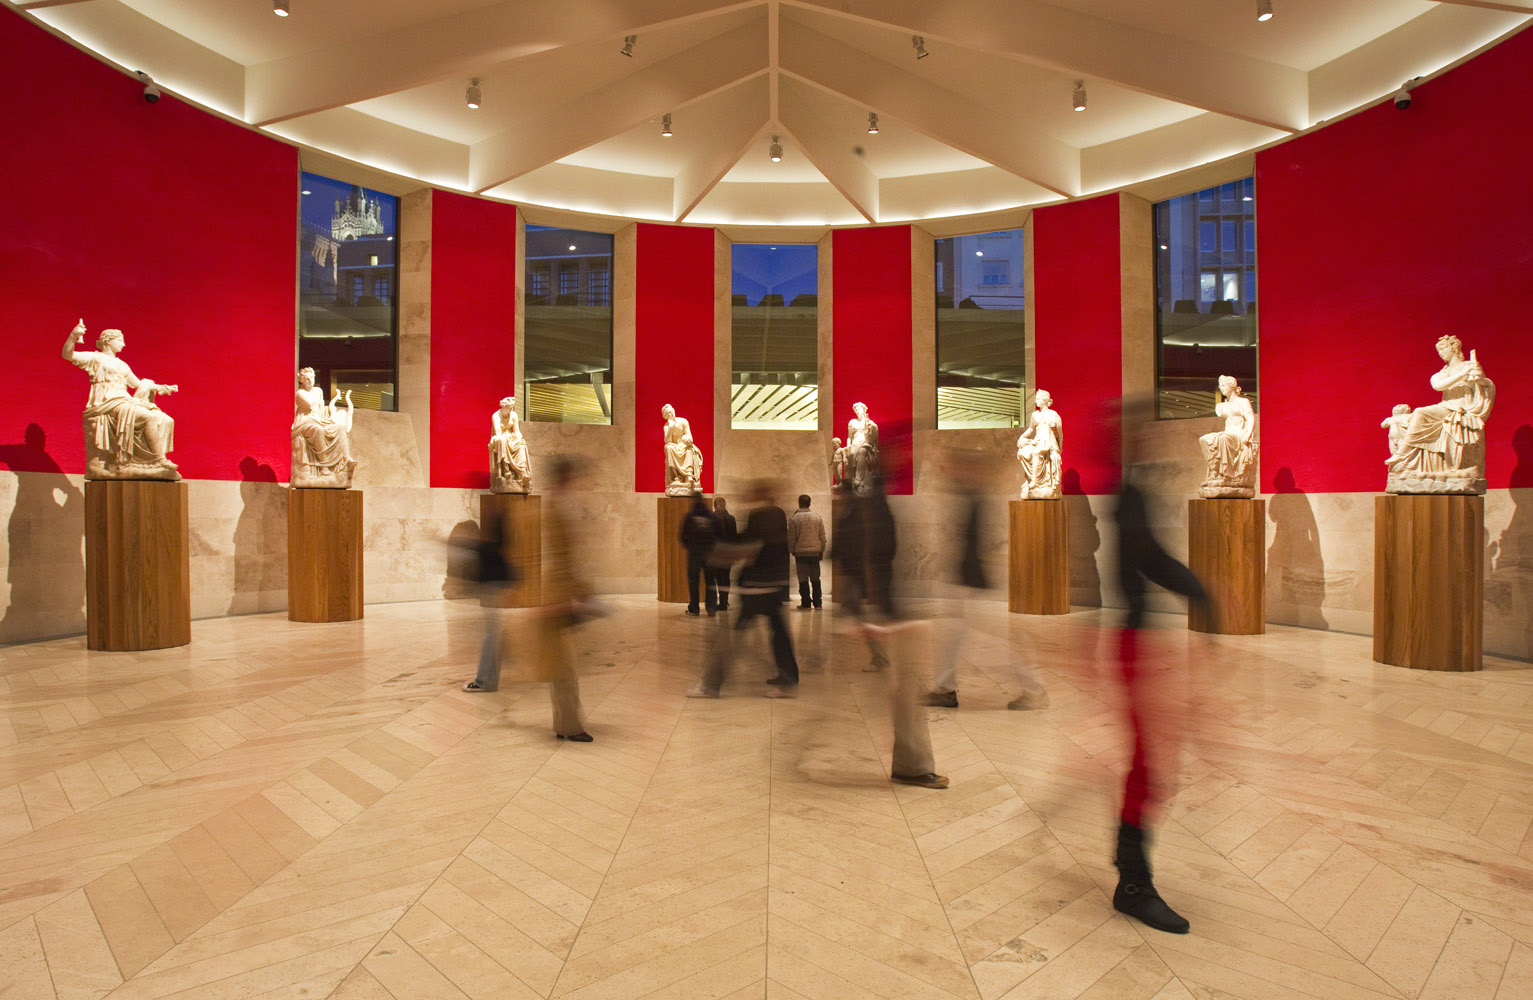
(138, 592)
(1428, 581)
(324, 555)
(1226, 546)
(670, 556)
(521, 515)
(1038, 574)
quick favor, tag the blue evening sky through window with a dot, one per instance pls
(319, 204)
(762, 268)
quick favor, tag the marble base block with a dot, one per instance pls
(1428, 581)
(324, 555)
(1038, 576)
(138, 592)
(522, 516)
(1226, 549)
(670, 557)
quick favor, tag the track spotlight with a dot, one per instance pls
(665, 126)
(1264, 10)
(471, 96)
(627, 49)
(872, 123)
(775, 150)
(151, 92)
(1078, 99)
(279, 7)
(919, 43)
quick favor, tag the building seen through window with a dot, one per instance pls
(1205, 297)
(774, 378)
(982, 359)
(567, 349)
(347, 276)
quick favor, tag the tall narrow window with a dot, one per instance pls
(567, 355)
(981, 332)
(347, 272)
(1205, 295)
(775, 336)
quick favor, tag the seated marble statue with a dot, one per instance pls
(861, 452)
(321, 438)
(1442, 449)
(837, 462)
(1231, 451)
(1038, 450)
(683, 459)
(510, 466)
(126, 434)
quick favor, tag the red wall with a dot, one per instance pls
(673, 350)
(871, 359)
(473, 332)
(159, 219)
(1375, 236)
(1078, 335)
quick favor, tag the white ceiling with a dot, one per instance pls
(983, 125)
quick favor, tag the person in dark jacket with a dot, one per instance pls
(728, 533)
(699, 533)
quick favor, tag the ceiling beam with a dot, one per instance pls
(738, 122)
(464, 44)
(1149, 62)
(547, 135)
(827, 149)
(1510, 8)
(932, 110)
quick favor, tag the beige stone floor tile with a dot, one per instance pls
(1414, 940)
(128, 920)
(78, 957)
(14, 820)
(26, 966)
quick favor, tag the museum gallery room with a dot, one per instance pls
(773, 498)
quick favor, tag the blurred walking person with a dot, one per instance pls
(567, 600)
(495, 572)
(699, 532)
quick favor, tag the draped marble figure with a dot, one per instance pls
(321, 437)
(1230, 451)
(861, 452)
(510, 466)
(1038, 450)
(683, 459)
(1442, 449)
(126, 434)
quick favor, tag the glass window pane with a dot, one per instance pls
(1208, 239)
(775, 376)
(981, 334)
(567, 350)
(347, 276)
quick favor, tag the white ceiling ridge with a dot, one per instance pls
(737, 127)
(826, 148)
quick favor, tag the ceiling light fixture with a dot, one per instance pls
(872, 123)
(1078, 99)
(627, 49)
(471, 96)
(775, 150)
(665, 126)
(919, 43)
(1264, 10)
(279, 7)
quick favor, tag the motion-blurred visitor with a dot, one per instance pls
(568, 599)
(495, 572)
(699, 533)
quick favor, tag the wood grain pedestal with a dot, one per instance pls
(1226, 550)
(1428, 581)
(521, 514)
(1038, 570)
(138, 592)
(670, 556)
(324, 555)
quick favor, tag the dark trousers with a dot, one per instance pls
(770, 605)
(697, 568)
(808, 580)
(720, 575)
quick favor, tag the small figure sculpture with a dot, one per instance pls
(1038, 449)
(126, 436)
(321, 438)
(1398, 420)
(1442, 449)
(1231, 452)
(837, 462)
(861, 452)
(510, 466)
(683, 459)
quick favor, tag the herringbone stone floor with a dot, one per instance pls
(287, 810)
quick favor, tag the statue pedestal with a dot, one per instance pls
(1428, 581)
(522, 516)
(670, 557)
(324, 555)
(1226, 543)
(138, 592)
(1038, 570)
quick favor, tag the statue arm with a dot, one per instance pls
(76, 336)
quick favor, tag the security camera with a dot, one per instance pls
(1402, 98)
(151, 92)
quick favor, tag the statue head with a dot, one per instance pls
(1229, 386)
(509, 403)
(1043, 400)
(836, 442)
(109, 341)
(1449, 347)
(306, 378)
(668, 411)
(1401, 409)
(861, 409)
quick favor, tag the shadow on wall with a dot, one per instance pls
(461, 554)
(1295, 564)
(1084, 540)
(46, 534)
(260, 542)
(1509, 559)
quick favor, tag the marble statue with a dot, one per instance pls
(126, 435)
(321, 437)
(1038, 450)
(861, 452)
(1398, 420)
(1442, 449)
(1231, 451)
(837, 462)
(683, 459)
(510, 465)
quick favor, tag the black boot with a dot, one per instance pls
(1136, 895)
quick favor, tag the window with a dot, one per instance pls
(774, 330)
(347, 270)
(981, 333)
(567, 352)
(1205, 292)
